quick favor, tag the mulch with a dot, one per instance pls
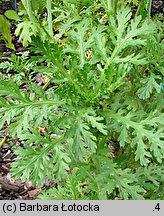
(10, 188)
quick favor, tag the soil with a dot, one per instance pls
(10, 188)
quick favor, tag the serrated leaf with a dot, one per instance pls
(123, 137)
(122, 179)
(26, 29)
(100, 39)
(22, 103)
(35, 164)
(91, 117)
(145, 130)
(81, 39)
(83, 141)
(149, 84)
(128, 33)
(141, 152)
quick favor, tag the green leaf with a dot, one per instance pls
(123, 137)
(141, 152)
(72, 189)
(26, 29)
(91, 117)
(5, 30)
(34, 163)
(11, 14)
(22, 102)
(38, 5)
(147, 134)
(100, 39)
(84, 142)
(127, 32)
(110, 176)
(149, 84)
(81, 40)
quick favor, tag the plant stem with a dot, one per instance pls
(115, 7)
(149, 9)
(27, 6)
(50, 29)
(3, 141)
(46, 85)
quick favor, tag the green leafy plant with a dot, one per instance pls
(32, 26)
(20, 65)
(5, 26)
(5, 30)
(103, 131)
